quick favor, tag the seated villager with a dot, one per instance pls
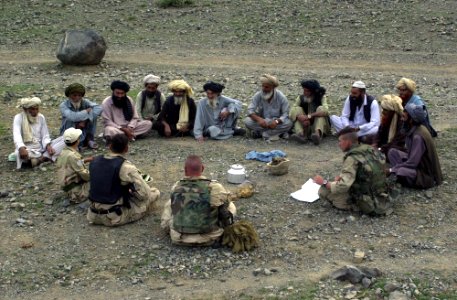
(268, 112)
(178, 112)
(310, 113)
(406, 90)
(217, 115)
(73, 175)
(31, 136)
(80, 113)
(391, 133)
(149, 101)
(120, 116)
(362, 184)
(419, 167)
(360, 111)
(199, 208)
(118, 192)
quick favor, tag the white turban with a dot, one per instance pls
(151, 79)
(71, 135)
(359, 84)
(30, 102)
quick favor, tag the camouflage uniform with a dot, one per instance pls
(73, 175)
(141, 204)
(362, 185)
(218, 196)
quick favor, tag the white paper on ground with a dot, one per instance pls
(309, 192)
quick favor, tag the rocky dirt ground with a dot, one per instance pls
(47, 249)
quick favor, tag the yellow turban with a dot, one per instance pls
(30, 102)
(269, 79)
(406, 83)
(181, 85)
(392, 103)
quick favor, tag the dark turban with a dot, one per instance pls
(120, 85)
(312, 85)
(214, 87)
(75, 88)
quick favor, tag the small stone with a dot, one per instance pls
(366, 282)
(48, 201)
(429, 194)
(397, 295)
(293, 239)
(359, 256)
(351, 219)
(21, 220)
(257, 271)
(155, 247)
(350, 295)
(67, 268)
(179, 283)
(391, 286)
(267, 272)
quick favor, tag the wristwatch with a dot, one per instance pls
(277, 122)
(324, 183)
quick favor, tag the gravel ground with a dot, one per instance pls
(50, 252)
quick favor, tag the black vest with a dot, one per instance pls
(105, 184)
(366, 109)
(157, 96)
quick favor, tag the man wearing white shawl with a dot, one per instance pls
(31, 135)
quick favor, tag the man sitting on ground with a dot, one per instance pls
(80, 113)
(360, 111)
(268, 113)
(199, 208)
(406, 90)
(310, 113)
(391, 133)
(362, 184)
(73, 175)
(120, 116)
(118, 193)
(178, 112)
(31, 135)
(149, 101)
(419, 167)
(217, 115)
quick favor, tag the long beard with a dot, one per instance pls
(32, 119)
(179, 100)
(267, 96)
(150, 94)
(119, 102)
(358, 101)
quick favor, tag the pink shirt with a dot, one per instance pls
(114, 116)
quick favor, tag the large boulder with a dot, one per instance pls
(81, 47)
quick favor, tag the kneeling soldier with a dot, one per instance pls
(118, 192)
(199, 208)
(362, 184)
(73, 174)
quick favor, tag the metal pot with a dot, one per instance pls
(236, 174)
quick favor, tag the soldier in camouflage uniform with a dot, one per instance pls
(362, 185)
(199, 208)
(73, 174)
(119, 194)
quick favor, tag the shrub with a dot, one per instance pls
(174, 3)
